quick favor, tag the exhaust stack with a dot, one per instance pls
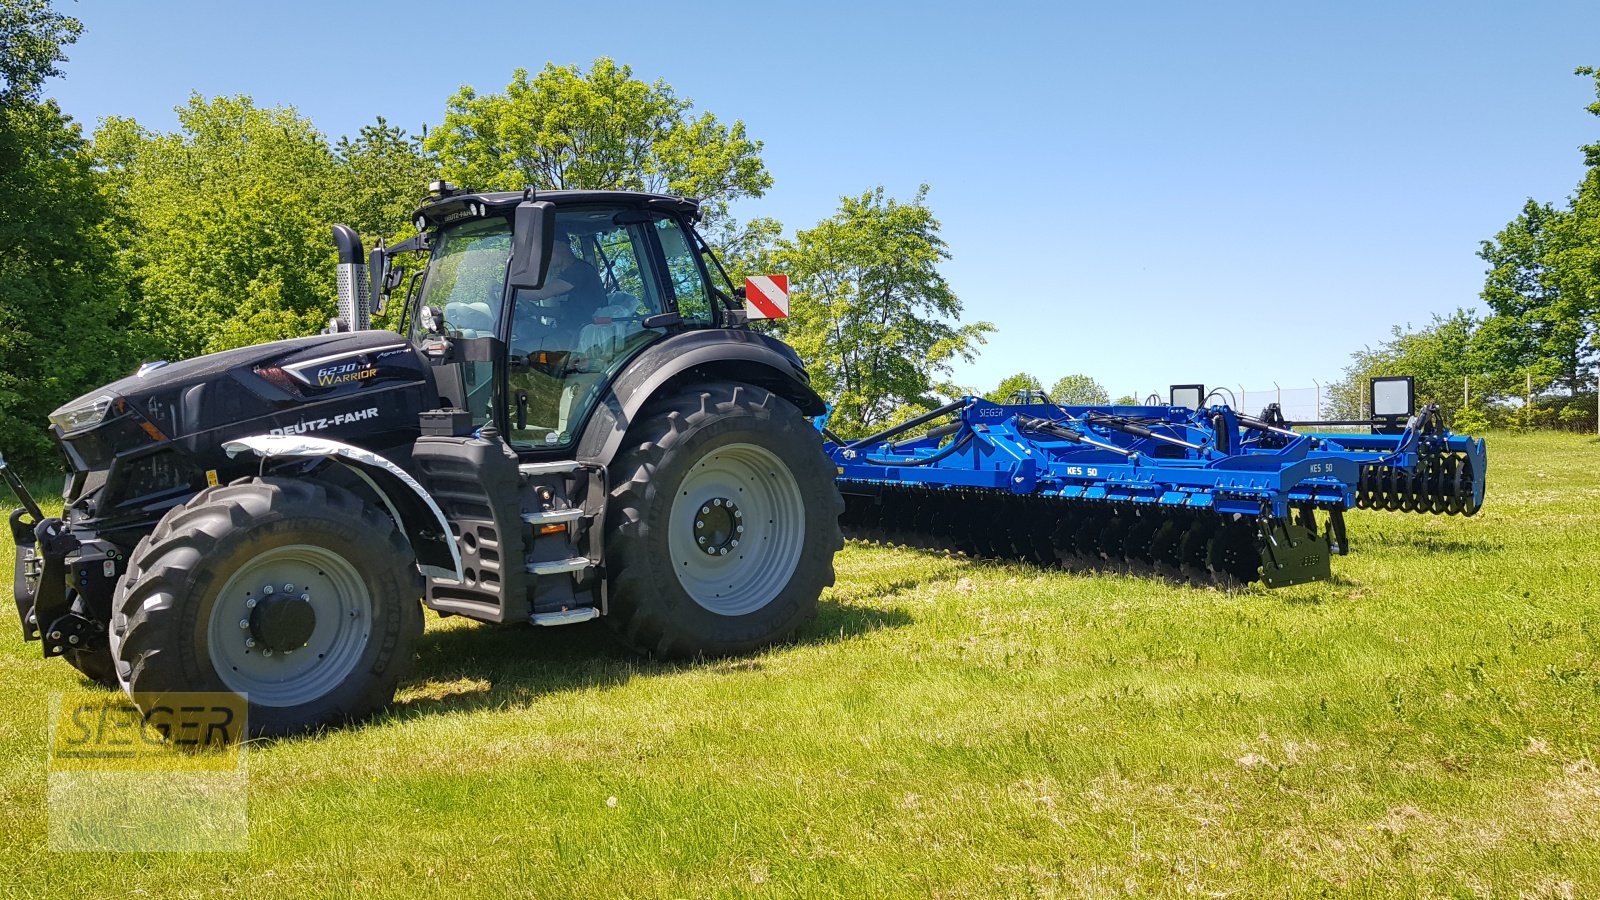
(355, 307)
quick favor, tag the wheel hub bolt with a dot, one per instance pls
(245, 624)
(717, 528)
(267, 589)
(267, 652)
(288, 588)
(72, 639)
(249, 642)
(250, 603)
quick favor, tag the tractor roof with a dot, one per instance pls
(459, 204)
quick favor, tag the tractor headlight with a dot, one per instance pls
(81, 414)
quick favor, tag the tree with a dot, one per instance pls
(1543, 285)
(869, 310)
(32, 36)
(566, 129)
(229, 223)
(63, 298)
(1013, 384)
(1126, 400)
(384, 175)
(1438, 357)
(1079, 390)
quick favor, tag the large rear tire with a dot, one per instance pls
(295, 594)
(724, 518)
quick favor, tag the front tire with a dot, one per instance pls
(723, 525)
(295, 594)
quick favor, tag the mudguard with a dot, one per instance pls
(419, 516)
(720, 354)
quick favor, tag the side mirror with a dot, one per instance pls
(533, 240)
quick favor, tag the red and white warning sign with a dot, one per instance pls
(766, 297)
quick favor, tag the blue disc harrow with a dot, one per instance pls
(1205, 496)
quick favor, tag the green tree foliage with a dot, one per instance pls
(1438, 356)
(1012, 384)
(1126, 400)
(565, 129)
(869, 310)
(1079, 390)
(1543, 286)
(32, 36)
(229, 217)
(383, 175)
(63, 300)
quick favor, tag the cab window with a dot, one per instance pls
(683, 269)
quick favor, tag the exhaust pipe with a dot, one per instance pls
(355, 308)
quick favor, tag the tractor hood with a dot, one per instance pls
(319, 383)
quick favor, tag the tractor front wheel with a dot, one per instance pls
(294, 594)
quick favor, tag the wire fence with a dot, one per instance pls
(1463, 403)
(1298, 403)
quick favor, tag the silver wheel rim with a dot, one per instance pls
(728, 571)
(289, 677)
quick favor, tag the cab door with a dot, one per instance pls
(603, 301)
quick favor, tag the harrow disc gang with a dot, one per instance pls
(1188, 546)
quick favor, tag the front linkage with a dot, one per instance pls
(57, 575)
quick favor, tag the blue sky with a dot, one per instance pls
(1146, 192)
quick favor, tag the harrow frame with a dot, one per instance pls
(1205, 496)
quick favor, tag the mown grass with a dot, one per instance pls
(1425, 724)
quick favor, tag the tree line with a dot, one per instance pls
(133, 243)
(1533, 360)
(130, 243)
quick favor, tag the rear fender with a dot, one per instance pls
(419, 516)
(706, 354)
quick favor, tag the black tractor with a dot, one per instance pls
(573, 421)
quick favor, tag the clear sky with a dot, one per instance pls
(1145, 192)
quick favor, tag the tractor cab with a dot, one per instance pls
(533, 326)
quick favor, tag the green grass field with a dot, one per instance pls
(1426, 724)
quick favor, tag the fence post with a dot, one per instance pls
(1466, 393)
(1319, 397)
(1527, 402)
(1280, 394)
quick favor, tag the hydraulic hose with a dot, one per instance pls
(945, 453)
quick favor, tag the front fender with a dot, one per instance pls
(425, 525)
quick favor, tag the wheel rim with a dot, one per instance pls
(736, 529)
(290, 625)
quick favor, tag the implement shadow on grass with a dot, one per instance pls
(1430, 545)
(478, 667)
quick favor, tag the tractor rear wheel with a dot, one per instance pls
(295, 594)
(724, 521)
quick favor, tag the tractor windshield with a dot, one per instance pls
(611, 270)
(466, 278)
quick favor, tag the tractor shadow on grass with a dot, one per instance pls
(484, 666)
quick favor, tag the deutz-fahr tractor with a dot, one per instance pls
(572, 421)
